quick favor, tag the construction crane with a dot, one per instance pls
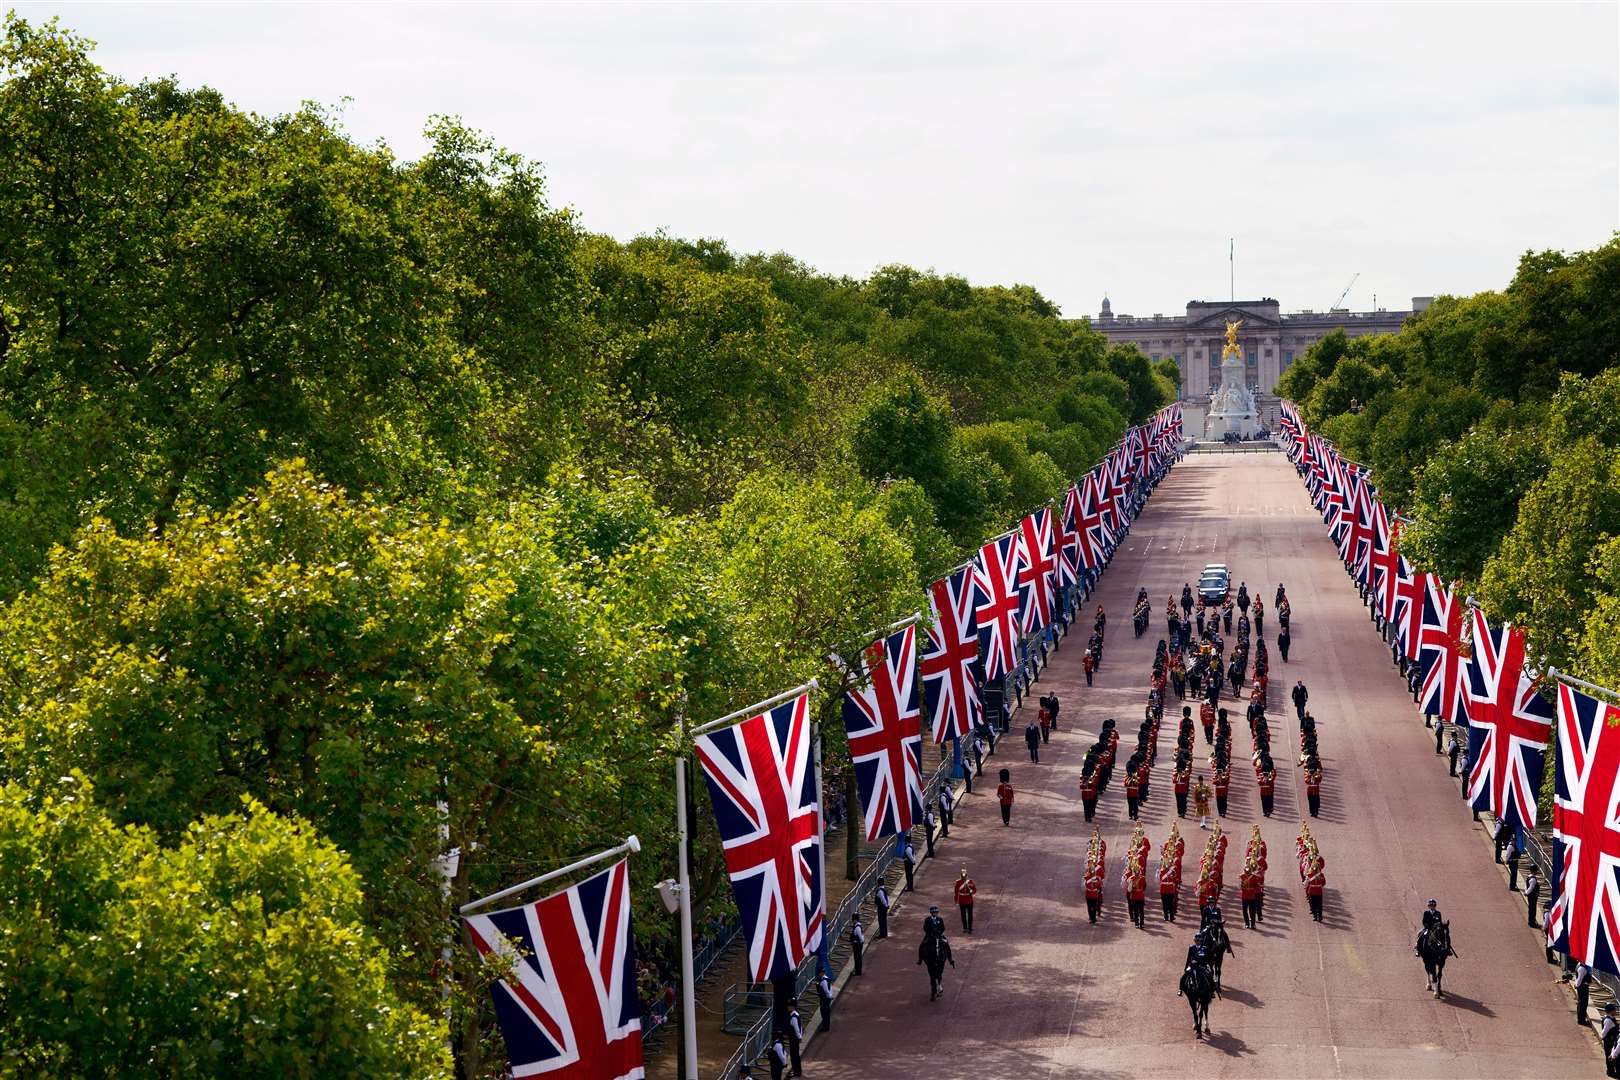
(1346, 292)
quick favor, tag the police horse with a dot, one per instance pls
(1219, 943)
(1198, 987)
(1434, 945)
(935, 953)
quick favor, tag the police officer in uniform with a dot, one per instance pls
(857, 941)
(933, 925)
(880, 901)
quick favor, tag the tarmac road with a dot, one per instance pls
(1037, 992)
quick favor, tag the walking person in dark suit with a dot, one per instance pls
(1300, 697)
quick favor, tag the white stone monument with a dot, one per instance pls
(1231, 407)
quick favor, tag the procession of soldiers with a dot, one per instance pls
(1213, 658)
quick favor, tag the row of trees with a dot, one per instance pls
(1493, 421)
(354, 509)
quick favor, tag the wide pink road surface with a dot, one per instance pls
(1039, 992)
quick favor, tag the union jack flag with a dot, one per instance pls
(1508, 725)
(1037, 569)
(1116, 471)
(950, 652)
(1068, 538)
(1585, 916)
(1383, 563)
(1091, 520)
(995, 592)
(763, 785)
(569, 1010)
(1408, 617)
(885, 735)
(1445, 683)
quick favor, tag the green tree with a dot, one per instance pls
(238, 950)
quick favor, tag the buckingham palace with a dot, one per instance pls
(1270, 340)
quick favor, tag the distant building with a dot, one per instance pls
(1271, 340)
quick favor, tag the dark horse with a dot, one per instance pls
(1219, 945)
(935, 952)
(1198, 987)
(1434, 945)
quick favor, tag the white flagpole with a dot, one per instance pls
(631, 844)
(684, 885)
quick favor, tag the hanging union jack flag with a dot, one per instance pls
(1508, 725)
(1068, 538)
(885, 735)
(1408, 617)
(1586, 832)
(949, 653)
(569, 1009)
(1037, 569)
(1445, 682)
(1091, 521)
(996, 605)
(762, 782)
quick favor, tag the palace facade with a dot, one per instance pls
(1270, 339)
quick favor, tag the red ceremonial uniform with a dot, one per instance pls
(1169, 879)
(1223, 782)
(1094, 883)
(1088, 788)
(965, 889)
(1136, 886)
(1315, 883)
(1247, 889)
(1183, 781)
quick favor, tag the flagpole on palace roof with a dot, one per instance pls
(631, 844)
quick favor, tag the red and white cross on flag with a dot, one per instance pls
(1037, 569)
(885, 735)
(1383, 562)
(1508, 725)
(762, 782)
(996, 607)
(1585, 914)
(949, 652)
(1068, 538)
(1408, 606)
(569, 1009)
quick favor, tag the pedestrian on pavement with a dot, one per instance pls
(825, 993)
(779, 1055)
(795, 1041)
(910, 863)
(1032, 739)
(1300, 697)
(1004, 795)
(1583, 991)
(1610, 1033)
(1453, 752)
(1513, 867)
(1532, 892)
(965, 891)
(857, 941)
(1283, 641)
(880, 903)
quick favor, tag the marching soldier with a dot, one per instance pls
(1313, 783)
(1088, 790)
(1170, 872)
(1133, 786)
(965, 891)
(1223, 784)
(1004, 795)
(1315, 886)
(1096, 855)
(1248, 891)
(1206, 713)
(1182, 781)
(1266, 774)
(1135, 891)
(1201, 793)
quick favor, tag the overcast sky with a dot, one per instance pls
(1082, 149)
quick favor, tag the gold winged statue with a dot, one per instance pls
(1232, 329)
